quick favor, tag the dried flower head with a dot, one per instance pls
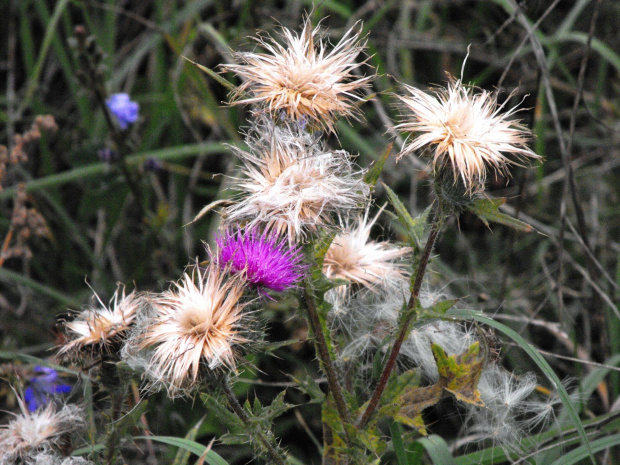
(30, 434)
(303, 78)
(352, 256)
(98, 328)
(467, 131)
(292, 184)
(194, 328)
(265, 258)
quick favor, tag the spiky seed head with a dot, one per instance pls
(193, 328)
(302, 77)
(100, 327)
(352, 256)
(264, 257)
(292, 185)
(31, 433)
(466, 132)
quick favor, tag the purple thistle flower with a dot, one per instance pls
(123, 108)
(43, 387)
(267, 260)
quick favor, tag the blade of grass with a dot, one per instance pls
(437, 449)
(396, 431)
(33, 82)
(173, 153)
(11, 276)
(182, 456)
(194, 447)
(582, 452)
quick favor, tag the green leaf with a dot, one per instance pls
(212, 458)
(308, 385)
(488, 211)
(414, 227)
(538, 359)
(372, 175)
(459, 374)
(441, 307)
(437, 450)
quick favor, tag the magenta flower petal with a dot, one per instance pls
(267, 260)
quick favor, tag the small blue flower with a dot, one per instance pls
(125, 110)
(43, 387)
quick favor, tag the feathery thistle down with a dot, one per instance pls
(353, 257)
(190, 330)
(468, 132)
(292, 184)
(30, 434)
(267, 262)
(98, 328)
(303, 78)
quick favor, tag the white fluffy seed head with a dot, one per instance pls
(512, 409)
(291, 183)
(191, 331)
(99, 327)
(32, 433)
(466, 132)
(302, 78)
(454, 338)
(353, 257)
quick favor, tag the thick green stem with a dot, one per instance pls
(323, 352)
(437, 221)
(274, 452)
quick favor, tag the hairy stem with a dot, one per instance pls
(274, 452)
(323, 351)
(111, 444)
(436, 223)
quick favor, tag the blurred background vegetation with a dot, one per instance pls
(558, 287)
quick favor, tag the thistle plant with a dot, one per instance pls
(299, 235)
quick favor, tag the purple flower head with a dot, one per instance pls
(125, 111)
(267, 260)
(43, 387)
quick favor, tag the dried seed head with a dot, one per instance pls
(292, 184)
(191, 330)
(467, 132)
(353, 257)
(32, 433)
(100, 328)
(303, 78)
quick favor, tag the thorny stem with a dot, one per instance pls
(274, 452)
(436, 223)
(326, 361)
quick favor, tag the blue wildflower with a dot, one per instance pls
(43, 387)
(124, 109)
